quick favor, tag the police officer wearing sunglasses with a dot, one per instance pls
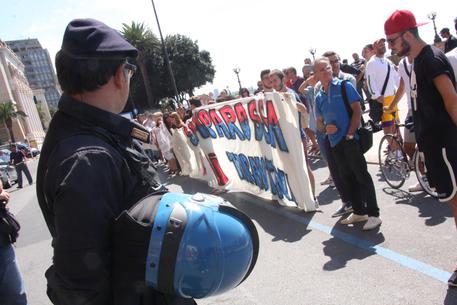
(118, 236)
(92, 168)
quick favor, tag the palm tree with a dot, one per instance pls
(145, 41)
(7, 113)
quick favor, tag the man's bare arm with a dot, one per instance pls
(447, 90)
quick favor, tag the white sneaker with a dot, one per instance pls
(353, 218)
(372, 223)
(415, 188)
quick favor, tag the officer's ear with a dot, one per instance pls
(120, 77)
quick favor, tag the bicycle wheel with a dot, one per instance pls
(392, 161)
(419, 168)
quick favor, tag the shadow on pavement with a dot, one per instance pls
(430, 208)
(451, 297)
(280, 228)
(328, 195)
(340, 247)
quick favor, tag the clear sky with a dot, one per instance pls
(250, 34)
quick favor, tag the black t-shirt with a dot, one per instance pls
(451, 43)
(432, 123)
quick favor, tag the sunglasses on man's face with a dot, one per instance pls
(130, 68)
(391, 41)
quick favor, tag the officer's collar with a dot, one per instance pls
(114, 123)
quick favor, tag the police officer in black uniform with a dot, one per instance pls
(92, 168)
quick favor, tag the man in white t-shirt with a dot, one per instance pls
(377, 70)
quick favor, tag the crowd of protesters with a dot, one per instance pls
(373, 83)
(330, 99)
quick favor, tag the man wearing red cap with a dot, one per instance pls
(434, 104)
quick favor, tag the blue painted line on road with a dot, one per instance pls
(403, 260)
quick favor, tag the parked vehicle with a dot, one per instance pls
(8, 174)
(27, 150)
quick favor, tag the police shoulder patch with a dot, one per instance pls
(140, 135)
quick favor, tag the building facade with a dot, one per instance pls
(15, 88)
(39, 69)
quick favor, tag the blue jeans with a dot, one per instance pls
(12, 291)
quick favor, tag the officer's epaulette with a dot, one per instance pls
(139, 133)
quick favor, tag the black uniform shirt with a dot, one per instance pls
(432, 123)
(83, 183)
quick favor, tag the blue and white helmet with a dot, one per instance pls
(199, 245)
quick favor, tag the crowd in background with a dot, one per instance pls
(377, 78)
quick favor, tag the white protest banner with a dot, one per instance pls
(254, 145)
(191, 158)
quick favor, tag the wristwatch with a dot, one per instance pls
(349, 137)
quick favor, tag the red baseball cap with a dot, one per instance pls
(400, 21)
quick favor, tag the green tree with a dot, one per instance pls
(145, 41)
(42, 115)
(52, 111)
(192, 68)
(7, 113)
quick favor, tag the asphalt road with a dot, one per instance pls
(306, 258)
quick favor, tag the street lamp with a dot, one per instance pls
(312, 51)
(237, 72)
(432, 17)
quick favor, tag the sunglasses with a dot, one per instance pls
(392, 41)
(130, 68)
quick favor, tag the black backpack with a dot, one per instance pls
(9, 226)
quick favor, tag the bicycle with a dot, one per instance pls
(394, 164)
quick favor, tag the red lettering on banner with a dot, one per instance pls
(228, 114)
(241, 112)
(272, 119)
(204, 118)
(218, 172)
(215, 117)
(192, 125)
(253, 115)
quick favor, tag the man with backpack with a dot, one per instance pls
(334, 118)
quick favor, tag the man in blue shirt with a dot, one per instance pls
(333, 119)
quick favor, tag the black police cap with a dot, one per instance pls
(90, 38)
